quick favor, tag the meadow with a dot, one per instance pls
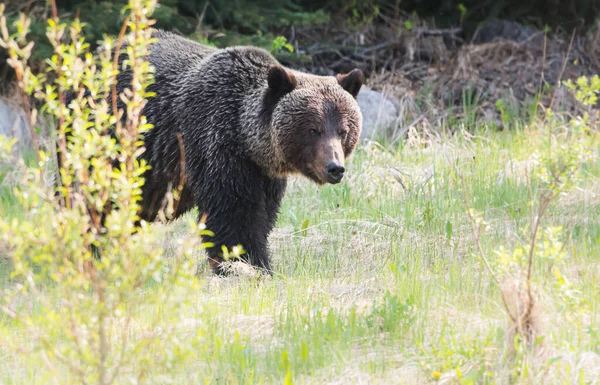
(378, 280)
(452, 253)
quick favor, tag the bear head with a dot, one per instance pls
(316, 121)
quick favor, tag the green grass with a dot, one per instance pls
(9, 204)
(378, 281)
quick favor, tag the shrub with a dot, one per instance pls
(89, 336)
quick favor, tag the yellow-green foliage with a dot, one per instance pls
(586, 89)
(88, 332)
(537, 264)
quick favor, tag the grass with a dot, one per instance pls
(378, 281)
(9, 204)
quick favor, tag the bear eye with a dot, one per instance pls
(314, 132)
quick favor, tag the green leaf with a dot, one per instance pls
(288, 379)
(539, 340)
(304, 228)
(304, 352)
(448, 230)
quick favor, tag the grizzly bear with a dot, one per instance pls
(234, 124)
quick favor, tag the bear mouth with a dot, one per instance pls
(319, 179)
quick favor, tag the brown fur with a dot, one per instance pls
(313, 103)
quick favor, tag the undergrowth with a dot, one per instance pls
(416, 269)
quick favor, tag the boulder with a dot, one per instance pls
(14, 124)
(380, 114)
(505, 29)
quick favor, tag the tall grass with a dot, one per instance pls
(380, 279)
(380, 283)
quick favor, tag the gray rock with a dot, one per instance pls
(14, 124)
(506, 29)
(380, 114)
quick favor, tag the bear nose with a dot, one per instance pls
(335, 172)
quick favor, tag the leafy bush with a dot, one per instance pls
(90, 332)
(538, 263)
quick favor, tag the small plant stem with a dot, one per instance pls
(54, 10)
(564, 66)
(116, 65)
(539, 95)
(480, 248)
(98, 285)
(62, 139)
(182, 174)
(476, 233)
(544, 202)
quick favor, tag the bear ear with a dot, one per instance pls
(281, 80)
(352, 81)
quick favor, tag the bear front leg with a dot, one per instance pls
(240, 222)
(236, 212)
(274, 192)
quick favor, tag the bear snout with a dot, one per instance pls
(327, 164)
(334, 172)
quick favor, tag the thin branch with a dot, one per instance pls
(476, 233)
(67, 362)
(62, 139)
(544, 203)
(564, 67)
(201, 17)
(54, 10)
(121, 361)
(116, 65)
(539, 95)
(182, 174)
(481, 252)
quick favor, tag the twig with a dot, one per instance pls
(25, 6)
(182, 174)
(544, 202)
(397, 176)
(62, 139)
(9, 312)
(121, 360)
(476, 232)
(292, 35)
(116, 64)
(481, 253)
(564, 67)
(438, 32)
(541, 74)
(201, 17)
(379, 46)
(54, 11)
